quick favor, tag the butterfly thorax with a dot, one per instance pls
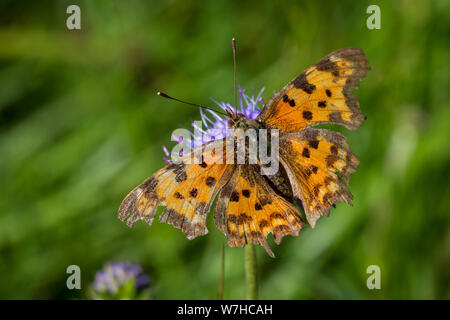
(246, 131)
(239, 121)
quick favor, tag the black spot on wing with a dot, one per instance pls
(307, 115)
(334, 149)
(234, 196)
(314, 144)
(210, 181)
(193, 193)
(305, 153)
(301, 83)
(178, 195)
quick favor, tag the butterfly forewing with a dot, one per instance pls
(321, 94)
(187, 189)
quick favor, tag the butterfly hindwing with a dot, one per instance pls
(315, 161)
(321, 94)
(186, 188)
(248, 209)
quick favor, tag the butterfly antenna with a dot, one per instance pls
(233, 45)
(162, 94)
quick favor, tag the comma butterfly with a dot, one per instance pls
(315, 164)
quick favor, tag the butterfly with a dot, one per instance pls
(315, 164)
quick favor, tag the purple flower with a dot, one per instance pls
(215, 127)
(115, 274)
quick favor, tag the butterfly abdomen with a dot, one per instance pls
(280, 183)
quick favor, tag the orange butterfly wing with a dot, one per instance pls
(312, 158)
(187, 189)
(321, 94)
(248, 209)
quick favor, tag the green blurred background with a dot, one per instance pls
(81, 125)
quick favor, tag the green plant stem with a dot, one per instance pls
(222, 274)
(250, 271)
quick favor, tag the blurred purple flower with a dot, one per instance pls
(115, 274)
(215, 127)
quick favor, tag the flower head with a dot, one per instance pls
(215, 127)
(117, 277)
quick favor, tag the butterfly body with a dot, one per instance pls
(315, 164)
(280, 183)
(240, 121)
